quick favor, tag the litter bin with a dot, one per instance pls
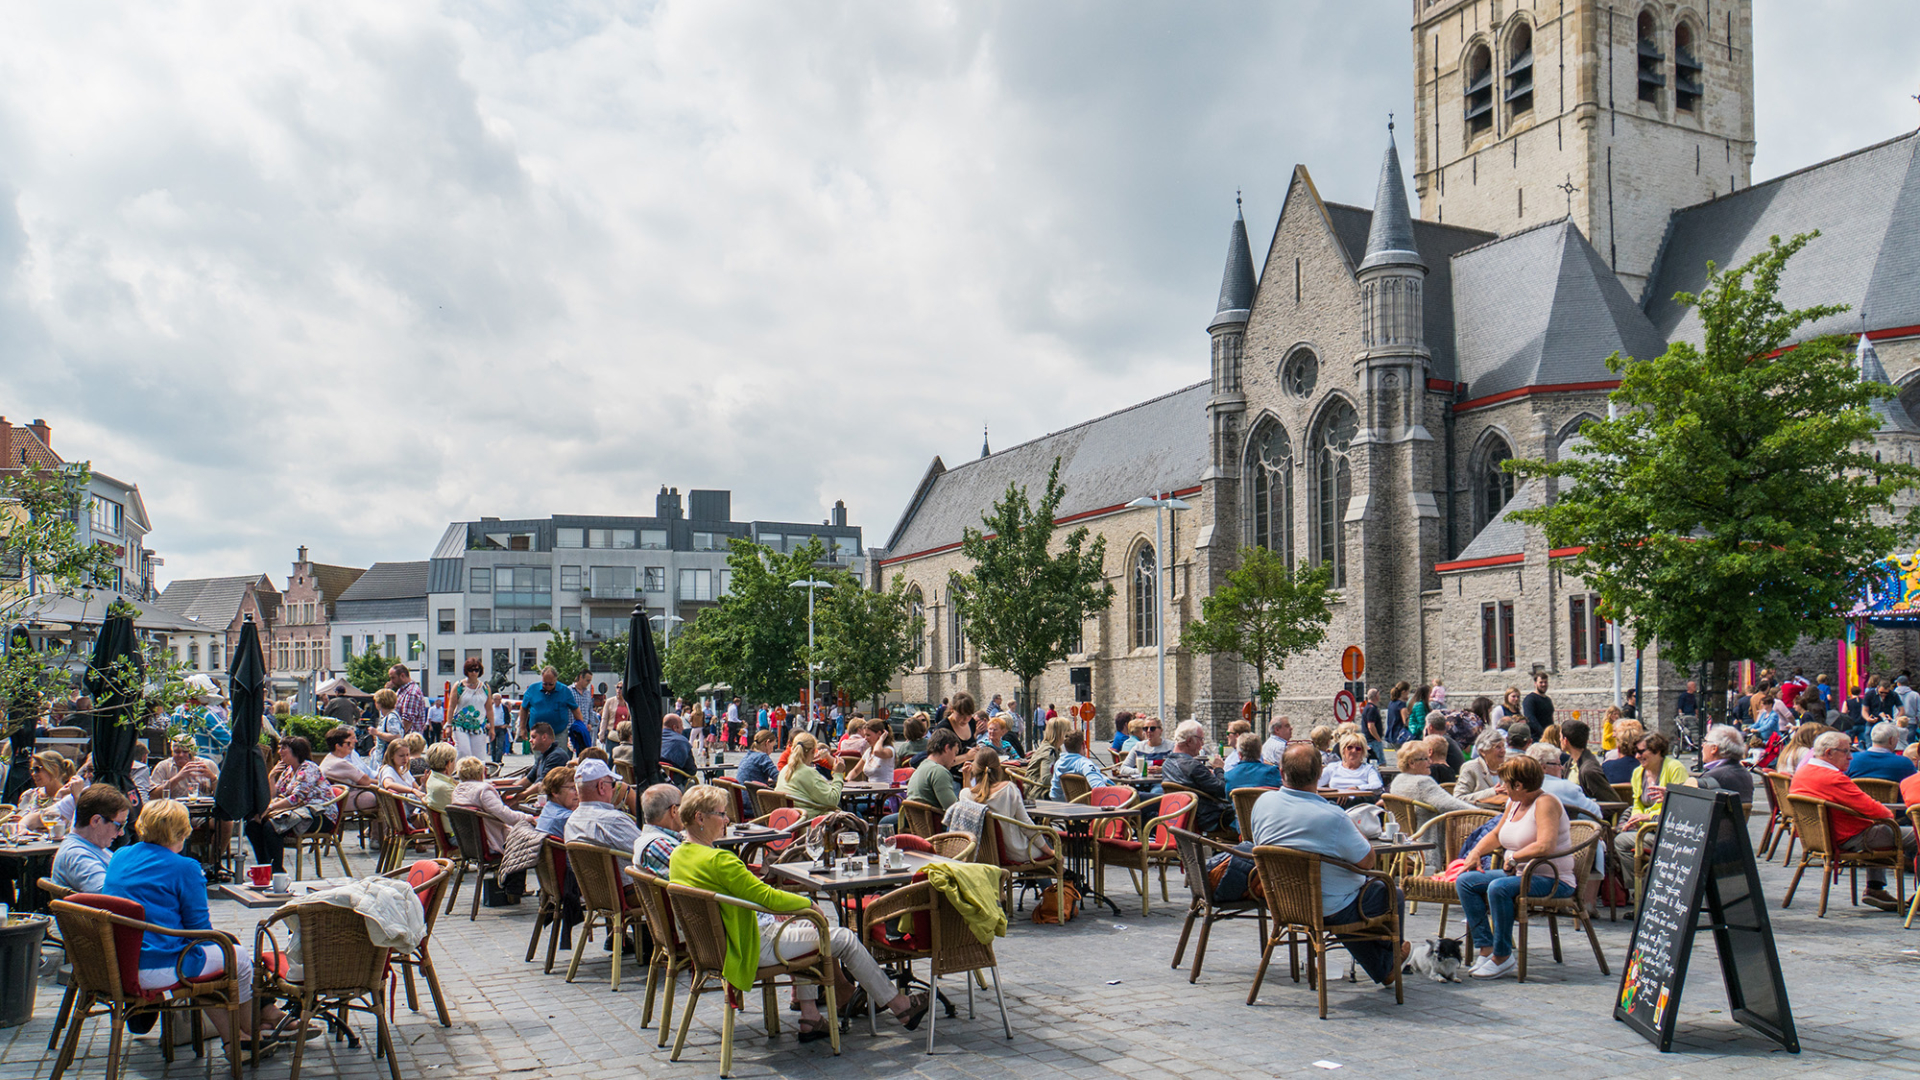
(20, 938)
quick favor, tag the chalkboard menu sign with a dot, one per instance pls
(1703, 866)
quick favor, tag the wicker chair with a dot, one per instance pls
(1222, 833)
(1813, 820)
(475, 854)
(1140, 849)
(677, 777)
(957, 846)
(736, 806)
(551, 870)
(397, 830)
(1243, 800)
(58, 892)
(669, 956)
(1194, 851)
(766, 801)
(918, 818)
(1882, 791)
(1623, 793)
(427, 878)
(596, 870)
(1450, 830)
(103, 935)
(1038, 873)
(1779, 784)
(1586, 837)
(697, 913)
(325, 838)
(937, 933)
(1075, 787)
(1291, 879)
(342, 971)
(1408, 814)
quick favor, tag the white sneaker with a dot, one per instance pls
(1479, 965)
(1496, 969)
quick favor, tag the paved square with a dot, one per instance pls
(1097, 998)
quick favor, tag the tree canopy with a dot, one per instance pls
(757, 636)
(865, 637)
(563, 655)
(1265, 613)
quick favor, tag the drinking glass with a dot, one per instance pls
(816, 846)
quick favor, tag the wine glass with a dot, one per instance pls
(883, 840)
(816, 846)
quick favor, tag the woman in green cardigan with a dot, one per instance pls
(801, 780)
(697, 863)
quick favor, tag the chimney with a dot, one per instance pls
(303, 553)
(42, 432)
(840, 512)
(6, 443)
(666, 505)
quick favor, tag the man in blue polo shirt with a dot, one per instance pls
(100, 815)
(553, 704)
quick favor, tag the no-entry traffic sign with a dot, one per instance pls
(1343, 707)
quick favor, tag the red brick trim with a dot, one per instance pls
(1477, 564)
(1070, 518)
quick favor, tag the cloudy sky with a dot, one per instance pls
(337, 273)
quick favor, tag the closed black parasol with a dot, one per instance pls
(242, 790)
(22, 712)
(115, 676)
(642, 692)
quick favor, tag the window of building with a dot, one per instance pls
(1301, 373)
(956, 635)
(213, 655)
(696, 584)
(282, 656)
(1479, 91)
(1519, 95)
(1577, 631)
(530, 660)
(610, 538)
(723, 581)
(470, 654)
(1270, 510)
(570, 619)
(193, 657)
(569, 579)
(299, 656)
(444, 663)
(844, 548)
(108, 516)
(346, 647)
(1506, 634)
(1494, 484)
(393, 647)
(1146, 604)
(445, 620)
(1651, 80)
(703, 541)
(1590, 635)
(413, 643)
(653, 538)
(1496, 636)
(1688, 81)
(523, 586)
(917, 619)
(656, 579)
(612, 582)
(771, 540)
(569, 538)
(479, 620)
(480, 579)
(366, 643)
(1334, 486)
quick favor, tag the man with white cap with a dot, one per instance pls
(597, 820)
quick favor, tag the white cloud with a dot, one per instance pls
(338, 273)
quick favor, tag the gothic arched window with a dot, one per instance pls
(1494, 484)
(917, 618)
(1270, 507)
(1519, 95)
(1146, 600)
(1688, 84)
(1479, 91)
(1333, 480)
(1648, 46)
(956, 634)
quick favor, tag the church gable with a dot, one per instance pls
(1307, 300)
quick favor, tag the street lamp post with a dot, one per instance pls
(810, 584)
(1160, 504)
(666, 625)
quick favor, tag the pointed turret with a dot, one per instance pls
(1236, 285)
(1390, 240)
(984, 452)
(1893, 418)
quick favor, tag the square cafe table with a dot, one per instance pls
(26, 858)
(844, 889)
(1076, 822)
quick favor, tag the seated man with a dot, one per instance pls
(1251, 771)
(548, 753)
(597, 820)
(1279, 734)
(699, 864)
(1722, 751)
(184, 774)
(1881, 761)
(1862, 824)
(660, 805)
(675, 749)
(932, 783)
(1187, 768)
(1297, 817)
(1074, 759)
(99, 817)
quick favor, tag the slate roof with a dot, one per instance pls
(1893, 417)
(213, 601)
(1237, 282)
(1157, 445)
(1867, 207)
(1437, 245)
(389, 581)
(1390, 234)
(1503, 535)
(1541, 308)
(334, 580)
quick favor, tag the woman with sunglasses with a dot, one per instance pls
(1655, 773)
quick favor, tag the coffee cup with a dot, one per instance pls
(282, 883)
(259, 875)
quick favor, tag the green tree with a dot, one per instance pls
(368, 670)
(1264, 614)
(757, 636)
(865, 637)
(564, 656)
(687, 664)
(1736, 502)
(1023, 604)
(612, 653)
(40, 549)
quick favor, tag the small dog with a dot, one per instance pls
(1440, 959)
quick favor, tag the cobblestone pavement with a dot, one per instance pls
(1097, 998)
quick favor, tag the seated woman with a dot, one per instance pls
(988, 785)
(801, 781)
(474, 793)
(1478, 780)
(915, 744)
(1795, 754)
(1250, 771)
(1534, 824)
(339, 767)
(876, 764)
(56, 783)
(756, 766)
(997, 738)
(622, 740)
(396, 772)
(1353, 772)
(697, 863)
(437, 791)
(1038, 768)
(562, 796)
(173, 890)
(1416, 782)
(1322, 738)
(300, 803)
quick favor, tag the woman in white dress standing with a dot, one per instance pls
(472, 705)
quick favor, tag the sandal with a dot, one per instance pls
(809, 1033)
(916, 1011)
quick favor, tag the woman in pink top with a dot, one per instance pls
(473, 792)
(1534, 824)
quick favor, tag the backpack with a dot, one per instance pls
(1046, 909)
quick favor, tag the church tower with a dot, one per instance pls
(1228, 402)
(1615, 114)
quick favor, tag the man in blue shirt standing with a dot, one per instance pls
(1297, 817)
(550, 703)
(99, 817)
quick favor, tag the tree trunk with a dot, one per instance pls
(1025, 708)
(1713, 705)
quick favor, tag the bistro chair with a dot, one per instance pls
(1880, 791)
(1194, 851)
(397, 830)
(103, 935)
(58, 892)
(1813, 820)
(1075, 787)
(1291, 879)
(551, 869)
(341, 970)
(957, 846)
(1036, 874)
(428, 879)
(677, 777)
(1243, 800)
(918, 818)
(739, 801)
(697, 913)
(1586, 837)
(475, 854)
(1779, 786)
(596, 870)
(325, 838)
(669, 956)
(1450, 831)
(938, 933)
(1139, 849)
(766, 801)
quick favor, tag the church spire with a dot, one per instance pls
(984, 452)
(1236, 285)
(1390, 239)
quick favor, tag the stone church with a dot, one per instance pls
(1575, 165)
